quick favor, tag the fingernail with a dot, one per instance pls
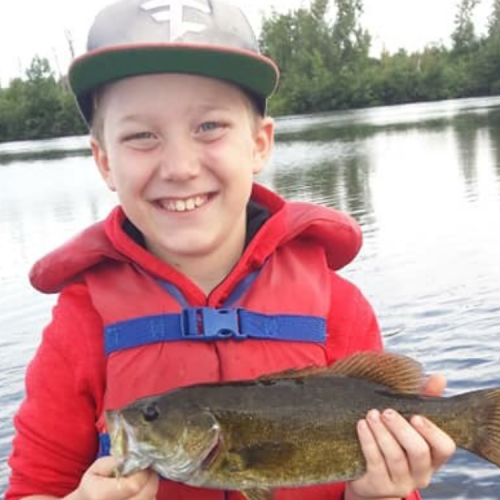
(362, 426)
(418, 421)
(374, 416)
(389, 414)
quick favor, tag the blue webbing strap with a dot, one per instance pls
(209, 324)
(241, 288)
(174, 292)
(104, 445)
(236, 294)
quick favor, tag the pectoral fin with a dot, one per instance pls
(258, 494)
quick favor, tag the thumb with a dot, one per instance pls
(434, 385)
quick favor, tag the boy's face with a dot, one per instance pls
(181, 152)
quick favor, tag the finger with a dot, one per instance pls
(138, 484)
(129, 487)
(150, 487)
(376, 478)
(104, 467)
(442, 447)
(414, 446)
(371, 451)
(434, 385)
(98, 482)
(392, 451)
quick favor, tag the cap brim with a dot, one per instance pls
(248, 70)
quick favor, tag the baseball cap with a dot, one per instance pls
(202, 37)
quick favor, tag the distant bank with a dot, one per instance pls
(325, 66)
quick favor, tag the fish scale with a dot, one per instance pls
(291, 429)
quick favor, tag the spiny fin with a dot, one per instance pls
(398, 372)
(258, 494)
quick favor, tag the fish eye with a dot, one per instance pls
(150, 413)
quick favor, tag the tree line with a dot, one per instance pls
(324, 55)
(326, 64)
(38, 106)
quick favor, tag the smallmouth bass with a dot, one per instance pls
(290, 429)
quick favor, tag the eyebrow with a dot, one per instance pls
(212, 106)
(132, 118)
(204, 107)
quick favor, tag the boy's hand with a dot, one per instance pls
(98, 483)
(401, 456)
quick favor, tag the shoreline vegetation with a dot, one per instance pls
(325, 62)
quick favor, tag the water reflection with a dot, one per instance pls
(331, 159)
(42, 204)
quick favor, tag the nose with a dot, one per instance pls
(179, 161)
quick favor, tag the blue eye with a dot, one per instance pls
(209, 126)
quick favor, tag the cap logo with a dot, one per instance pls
(172, 11)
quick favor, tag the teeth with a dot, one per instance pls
(186, 205)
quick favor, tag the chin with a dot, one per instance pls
(191, 248)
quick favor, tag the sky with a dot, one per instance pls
(35, 27)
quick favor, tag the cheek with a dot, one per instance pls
(128, 174)
(233, 159)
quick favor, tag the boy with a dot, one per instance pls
(199, 275)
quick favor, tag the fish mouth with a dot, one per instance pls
(181, 462)
(130, 456)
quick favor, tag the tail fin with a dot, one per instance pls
(485, 441)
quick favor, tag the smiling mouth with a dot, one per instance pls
(184, 204)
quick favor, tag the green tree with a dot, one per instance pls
(350, 40)
(38, 107)
(494, 19)
(324, 64)
(12, 111)
(437, 76)
(464, 35)
(42, 100)
(300, 42)
(483, 69)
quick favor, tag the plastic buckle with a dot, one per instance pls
(205, 323)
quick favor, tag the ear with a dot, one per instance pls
(101, 159)
(264, 143)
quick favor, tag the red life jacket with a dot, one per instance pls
(275, 305)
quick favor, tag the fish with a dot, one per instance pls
(289, 429)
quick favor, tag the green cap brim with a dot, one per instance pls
(250, 71)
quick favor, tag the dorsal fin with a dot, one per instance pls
(398, 372)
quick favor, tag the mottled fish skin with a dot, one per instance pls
(296, 428)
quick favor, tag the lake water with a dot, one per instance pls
(423, 180)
